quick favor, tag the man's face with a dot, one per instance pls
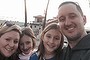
(71, 21)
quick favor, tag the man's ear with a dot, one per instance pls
(84, 19)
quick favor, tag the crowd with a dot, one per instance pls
(18, 43)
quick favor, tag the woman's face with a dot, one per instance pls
(51, 40)
(9, 43)
(26, 44)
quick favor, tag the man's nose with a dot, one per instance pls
(67, 21)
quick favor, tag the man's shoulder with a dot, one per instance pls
(86, 55)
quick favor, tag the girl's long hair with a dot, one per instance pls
(41, 48)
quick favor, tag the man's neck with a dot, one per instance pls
(75, 42)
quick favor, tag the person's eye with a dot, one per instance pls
(48, 36)
(72, 16)
(16, 41)
(28, 42)
(57, 38)
(62, 19)
(7, 39)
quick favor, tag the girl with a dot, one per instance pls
(51, 43)
(27, 43)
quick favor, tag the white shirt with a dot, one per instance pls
(26, 56)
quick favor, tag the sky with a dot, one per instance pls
(13, 10)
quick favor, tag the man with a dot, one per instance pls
(72, 21)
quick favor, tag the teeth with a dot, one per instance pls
(70, 28)
(9, 49)
(50, 46)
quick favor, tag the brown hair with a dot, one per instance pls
(29, 32)
(41, 48)
(6, 28)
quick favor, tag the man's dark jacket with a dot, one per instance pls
(80, 52)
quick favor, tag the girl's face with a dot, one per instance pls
(9, 43)
(51, 40)
(26, 44)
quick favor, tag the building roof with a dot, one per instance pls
(38, 16)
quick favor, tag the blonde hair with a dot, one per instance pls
(6, 28)
(52, 21)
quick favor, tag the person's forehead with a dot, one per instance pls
(68, 8)
(69, 5)
(26, 38)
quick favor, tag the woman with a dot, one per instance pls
(51, 44)
(9, 40)
(27, 43)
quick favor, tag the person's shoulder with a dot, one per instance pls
(34, 56)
